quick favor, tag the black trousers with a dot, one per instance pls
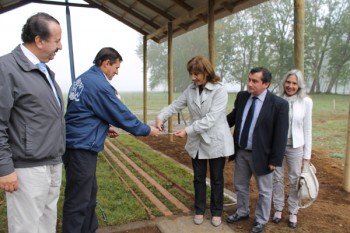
(80, 194)
(216, 182)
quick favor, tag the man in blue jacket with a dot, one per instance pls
(93, 107)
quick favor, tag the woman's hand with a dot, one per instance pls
(181, 134)
(306, 161)
(159, 124)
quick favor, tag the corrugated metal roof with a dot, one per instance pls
(151, 17)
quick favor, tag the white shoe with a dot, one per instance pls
(198, 219)
(217, 222)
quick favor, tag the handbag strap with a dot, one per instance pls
(301, 206)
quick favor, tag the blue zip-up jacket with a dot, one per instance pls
(92, 107)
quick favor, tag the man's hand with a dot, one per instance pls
(154, 131)
(272, 167)
(113, 132)
(9, 183)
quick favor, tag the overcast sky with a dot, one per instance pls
(91, 30)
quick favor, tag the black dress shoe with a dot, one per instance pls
(236, 217)
(276, 220)
(258, 227)
(292, 224)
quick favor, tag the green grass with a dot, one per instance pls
(117, 202)
(163, 165)
(330, 124)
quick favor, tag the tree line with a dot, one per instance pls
(263, 36)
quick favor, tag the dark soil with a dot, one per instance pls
(330, 212)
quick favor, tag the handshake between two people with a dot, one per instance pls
(113, 131)
(160, 126)
(155, 131)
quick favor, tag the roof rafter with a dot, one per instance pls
(151, 17)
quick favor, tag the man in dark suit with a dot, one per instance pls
(260, 138)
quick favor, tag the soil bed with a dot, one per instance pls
(330, 212)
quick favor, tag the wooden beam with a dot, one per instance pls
(189, 16)
(211, 32)
(156, 9)
(299, 24)
(346, 183)
(57, 3)
(121, 19)
(236, 6)
(145, 80)
(130, 11)
(184, 5)
(170, 76)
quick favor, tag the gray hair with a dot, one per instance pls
(301, 93)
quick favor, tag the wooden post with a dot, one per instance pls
(346, 183)
(299, 24)
(145, 79)
(211, 32)
(170, 76)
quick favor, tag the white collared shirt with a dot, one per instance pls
(258, 104)
(31, 57)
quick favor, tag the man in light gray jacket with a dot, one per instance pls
(32, 129)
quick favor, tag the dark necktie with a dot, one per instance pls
(247, 123)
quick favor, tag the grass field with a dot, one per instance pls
(330, 116)
(330, 124)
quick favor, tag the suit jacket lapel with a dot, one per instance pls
(243, 102)
(264, 109)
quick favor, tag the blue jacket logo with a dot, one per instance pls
(76, 90)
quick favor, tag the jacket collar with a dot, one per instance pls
(96, 69)
(200, 99)
(208, 86)
(22, 60)
(26, 64)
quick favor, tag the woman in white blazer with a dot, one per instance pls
(208, 134)
(298, 150)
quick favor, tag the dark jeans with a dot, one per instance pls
(80, 194)
(216, 182)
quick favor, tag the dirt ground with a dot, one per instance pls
(330, 212)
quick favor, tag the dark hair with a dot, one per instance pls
(266, 74)
(37, 25)
(107, 53)
(201, 65)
